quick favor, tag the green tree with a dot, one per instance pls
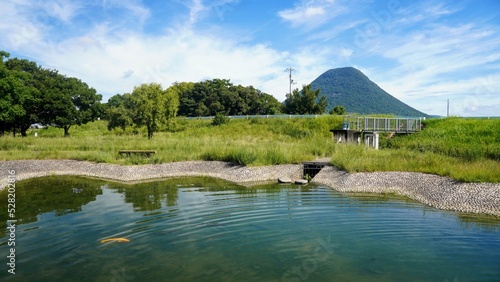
(20, 94)
(117, 112)
(33, 94)
(181, 89)
(68, 101)
(338, 110)
(305, 101)
(6, 100)
(113, 102)
(265, 104)
(151, 106)
(211, 97)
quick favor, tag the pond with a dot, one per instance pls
(204, 229)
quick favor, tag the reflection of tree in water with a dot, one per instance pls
(148, 196)
(58, 194)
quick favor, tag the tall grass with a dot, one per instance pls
(246, 142)
(355, 158)
(466, 139)
(464, 149)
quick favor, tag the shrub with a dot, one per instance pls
(220, 119)
(338, 110)
(243, 156)
(213, 155)
(274, 156)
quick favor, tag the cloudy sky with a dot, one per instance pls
(421, 52)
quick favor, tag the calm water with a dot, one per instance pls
(199, 229)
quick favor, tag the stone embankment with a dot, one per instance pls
(432, 190)
(436, 191)
(240, 174)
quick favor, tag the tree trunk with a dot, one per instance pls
(150, 133)
(66, 131)
(23, 130)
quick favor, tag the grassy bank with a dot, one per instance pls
(246, 142)
(464, 149)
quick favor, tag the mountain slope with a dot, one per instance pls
(352, 89)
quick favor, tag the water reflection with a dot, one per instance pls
(67, 194)
(192, 229)
(148, 196)
(490, 222)
(61, 195)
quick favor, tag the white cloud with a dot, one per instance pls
(17, 26)
(63, 10)
(113, 58)
(445, 50)
(422, 12)
(116, 65)
(198, 9)
(132, 7)
(312, 13)
(411, 54)
(334, 30)
(441, 62)
(195, 9)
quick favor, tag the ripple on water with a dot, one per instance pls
(189, 232)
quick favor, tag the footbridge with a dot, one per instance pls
(376, 124)
(368, 128)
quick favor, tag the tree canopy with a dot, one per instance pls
(148, 105)
(338, 110)
(69, 101)
(31, 94)
(305, 101)
(19, 96)
(210, 97)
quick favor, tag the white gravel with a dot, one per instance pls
(432, 190)
(240, 174)
(436, 191)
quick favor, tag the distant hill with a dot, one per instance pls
(352, 89)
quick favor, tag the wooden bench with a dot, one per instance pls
(145, 153)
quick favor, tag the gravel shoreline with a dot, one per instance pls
(436, 191)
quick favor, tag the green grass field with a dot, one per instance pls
(464, 149)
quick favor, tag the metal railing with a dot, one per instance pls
(259, 116)
(376, 124)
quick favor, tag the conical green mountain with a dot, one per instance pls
(352, 89)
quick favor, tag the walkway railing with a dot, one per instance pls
(260, 116)
(398, 125)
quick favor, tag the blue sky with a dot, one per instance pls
(422, 52)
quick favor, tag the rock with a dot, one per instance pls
(301, 181)
(284, 180)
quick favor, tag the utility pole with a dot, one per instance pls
(448, 108)
(290, 70)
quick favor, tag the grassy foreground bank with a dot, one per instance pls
(464, 149)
